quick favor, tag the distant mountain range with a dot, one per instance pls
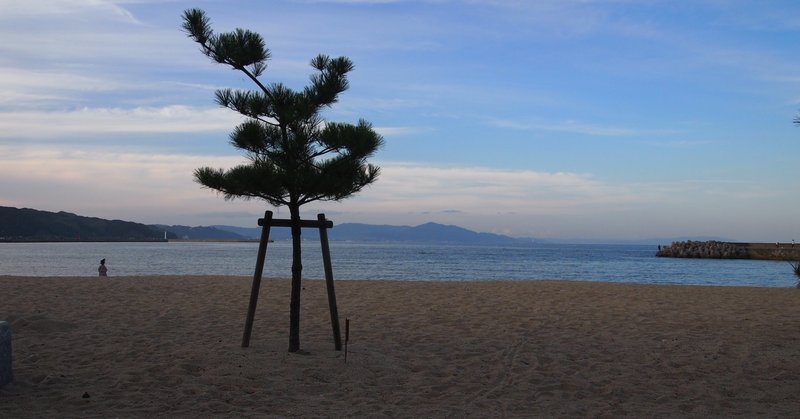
(33, 225)
(30, 225)
(429, 232)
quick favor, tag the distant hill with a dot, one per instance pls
(425, 233)
(34, 225)
(30, 225)
(252, 233)
(428, 232)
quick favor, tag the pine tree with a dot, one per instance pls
(295, 156)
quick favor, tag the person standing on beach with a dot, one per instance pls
(102, 270)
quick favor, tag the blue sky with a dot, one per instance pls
(554, 119)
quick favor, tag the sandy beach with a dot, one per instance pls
(170, 347)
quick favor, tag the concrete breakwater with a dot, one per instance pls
(727, 250)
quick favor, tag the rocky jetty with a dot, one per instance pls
(704, 250)
(725, 250)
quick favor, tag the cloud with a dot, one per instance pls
(115, 184)
(91, 122)
(419, 187)
(87, 36)
(98, 121)
(26, 88)
(157, 188)
(61, 9)
(399, 131)
(531, 203)
(570, 126)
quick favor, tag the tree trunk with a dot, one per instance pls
(297, 270)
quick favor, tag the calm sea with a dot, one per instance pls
(396, 261)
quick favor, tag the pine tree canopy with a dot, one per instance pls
(295, 156)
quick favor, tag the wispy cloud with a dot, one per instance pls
(105, 183)
(138, 120)
(97, 121)
(399, 131)
(91, 36)
(58, 9)
(545, 204)
(481, 189)
(570, 126)
(133, 186)
(48, 88)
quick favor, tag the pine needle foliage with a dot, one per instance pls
(796, 270)
(294, 155)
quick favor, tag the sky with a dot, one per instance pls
(559, 119)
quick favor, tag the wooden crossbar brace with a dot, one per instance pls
(323, 225)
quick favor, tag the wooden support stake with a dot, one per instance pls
(6, 374)
(266, 223)
(346, 337)
(326, 260)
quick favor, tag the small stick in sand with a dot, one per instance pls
(346, 337)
